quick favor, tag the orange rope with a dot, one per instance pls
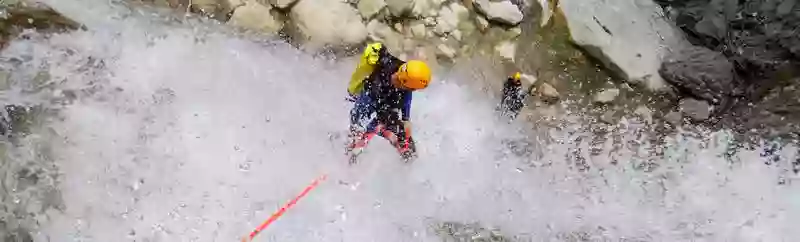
(283, 209)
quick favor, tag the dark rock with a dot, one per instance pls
(777, 115)
(701, 73)
(696, 110)
(761, 38)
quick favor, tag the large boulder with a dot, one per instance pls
(628, 36)
(369, 8)
(255, 16)
(702, 73)
(503, 11)
(325, 22)
(450, 17)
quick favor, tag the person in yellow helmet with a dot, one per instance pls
(383, 84)
(513, 96)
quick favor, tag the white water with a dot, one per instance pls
(189, 140)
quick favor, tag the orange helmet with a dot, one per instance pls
(414, 75)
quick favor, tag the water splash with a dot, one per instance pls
(174, 133)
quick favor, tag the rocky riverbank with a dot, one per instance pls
(436, 27)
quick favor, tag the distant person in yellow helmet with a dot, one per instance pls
(513, 97)
(383, 84)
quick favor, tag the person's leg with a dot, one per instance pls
(399, 137)
(360, 112)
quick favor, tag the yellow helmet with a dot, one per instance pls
(414, 74)
(517, 76)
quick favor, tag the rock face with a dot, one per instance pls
(324, 22)
(500, 11)
(701, 73)
(253, 15)
(627, 35)
(759, 37)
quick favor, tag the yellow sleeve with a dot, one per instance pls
(365, 67)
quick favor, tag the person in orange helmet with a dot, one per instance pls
(383, 84)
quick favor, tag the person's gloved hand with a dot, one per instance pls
(350, 97)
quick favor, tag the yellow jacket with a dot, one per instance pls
(369, 58)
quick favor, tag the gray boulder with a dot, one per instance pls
(628, 36)
(502, 11)
(326, 22)
(701, 73)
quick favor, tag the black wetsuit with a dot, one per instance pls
(391, 105)
(512, 97)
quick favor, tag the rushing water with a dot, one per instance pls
(168, 132)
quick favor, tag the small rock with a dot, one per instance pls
(606, 96)
(608, 117)
(379, 31)
(425, 8)
(482, 23)
(501, 11)
(430, 21)
(207, 7)
(369, 8)
(257, 17)
(645, 113)
(400, 8)
(398, 27)
(450, 17)
(514, 32)
(547, 93)
(467, 27)
(528, 79)
(282, 4)
(673, 118)
(506, 50)
(456, 34)
(418, 29)
(445, 51)
(697, 110)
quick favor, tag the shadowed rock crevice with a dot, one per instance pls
(745, 58)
